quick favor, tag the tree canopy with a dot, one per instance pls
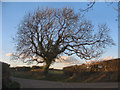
(47, 33)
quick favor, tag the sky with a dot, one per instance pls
(13, 13)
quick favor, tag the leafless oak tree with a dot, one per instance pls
(47, 33)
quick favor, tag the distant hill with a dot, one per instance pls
(106, 66)
(103, 66)
(102, 71)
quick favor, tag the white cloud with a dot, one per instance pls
(108, 58)
(9, 54)
(34, 57)
(21, 56)
(62, 58)
(90, 61)
(68, 60)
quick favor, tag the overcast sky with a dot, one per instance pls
(13, 13)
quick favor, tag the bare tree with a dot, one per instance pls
(91, 4)
(47, 33)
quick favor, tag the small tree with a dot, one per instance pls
(47, 33)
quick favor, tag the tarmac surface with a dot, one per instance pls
(28, 83)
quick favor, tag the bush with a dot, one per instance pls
(103, 66)
(6, 81)
(75, 69)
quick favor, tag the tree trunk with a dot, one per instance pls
(46, 68)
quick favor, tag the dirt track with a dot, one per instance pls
(27, 83)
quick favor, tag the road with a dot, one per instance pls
(28, 83)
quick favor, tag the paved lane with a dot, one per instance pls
(28, 83)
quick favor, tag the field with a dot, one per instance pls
(76, 73)
(52, 76)
(57, 76)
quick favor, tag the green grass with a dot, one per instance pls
(56, 72)
(23, 74)
(55, 75)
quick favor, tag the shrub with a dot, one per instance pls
(75, 69)
(6, 81)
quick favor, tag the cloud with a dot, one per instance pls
(90, 61)
(21, 56)
(62, 58)
(34, 57)
(68, 60)
(108, 58)
(9, 54)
